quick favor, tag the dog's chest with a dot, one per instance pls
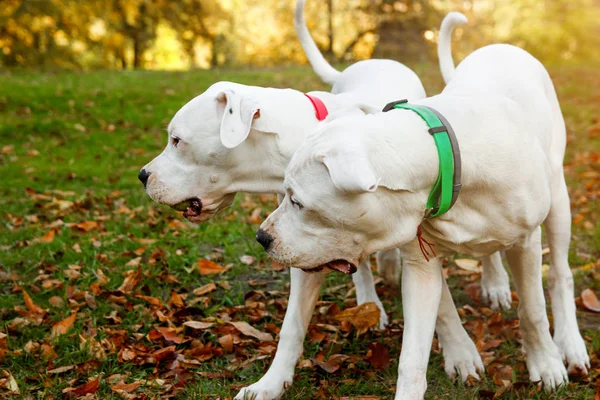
(476, 237)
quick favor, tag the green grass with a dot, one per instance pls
(81, 138)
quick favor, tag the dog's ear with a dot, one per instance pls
(238, 113)
(349, 168)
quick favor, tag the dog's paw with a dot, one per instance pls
(573, 352)
(545, 366)
(496, 293)
(462, 358)
(264, 389)
(383, 319)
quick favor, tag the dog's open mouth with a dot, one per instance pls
(340, 265)
(191, 208)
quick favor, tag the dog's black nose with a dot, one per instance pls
(264, 239)
(143, 176)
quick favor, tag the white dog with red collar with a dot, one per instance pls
(360, 184)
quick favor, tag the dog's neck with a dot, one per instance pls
(287, 116)
(405, 159)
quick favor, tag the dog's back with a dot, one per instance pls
(378, 82)
(511, 72)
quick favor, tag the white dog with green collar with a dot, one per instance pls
(360, 183)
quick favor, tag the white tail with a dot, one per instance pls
(444, 43)
(327, 73)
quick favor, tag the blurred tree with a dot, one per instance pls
(137, 20)
(194, 20)
(125, 33)
(43, 33)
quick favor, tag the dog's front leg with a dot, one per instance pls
(421, 294)
(365, 290)
(304, 292)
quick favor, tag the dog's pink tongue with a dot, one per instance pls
(190, 213)
(342, 266)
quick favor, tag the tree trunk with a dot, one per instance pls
(329, 52)
(137, 51)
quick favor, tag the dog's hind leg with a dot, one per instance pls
(365, 290)
(543, 359)
(304, 292)
(495, 289)
(560, 280)
(389, 266)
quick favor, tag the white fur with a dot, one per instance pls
(503, 108)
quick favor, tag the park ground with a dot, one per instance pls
(105, 294)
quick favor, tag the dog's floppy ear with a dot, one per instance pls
(349, 168)
(238, 113)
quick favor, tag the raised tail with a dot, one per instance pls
(327, 73)
(444, 43)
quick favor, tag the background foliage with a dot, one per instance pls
(166, 34)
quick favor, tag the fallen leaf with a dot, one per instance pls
(134, 262)
(332, 364)
(198, 324)
(362, 317)
(152, 300)
(378, 356)
(89, 387)
(86, 226)
(48, 237)
(176, 300)
(12, 385)
(202, 290)
(207, 267)
(245, 259)
(246, 329)
(163, 353)
(468, 264)
(132, 279)
(60, 370)
(120, 388)
(170, 334)
(31, 306)
(62, 327)
(590, 300)
(227, 343)
(501, 373)
(255, 217)
(102, 279)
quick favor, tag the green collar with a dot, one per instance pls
(446, 188)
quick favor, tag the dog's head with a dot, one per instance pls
(340, 204)
(194, 172)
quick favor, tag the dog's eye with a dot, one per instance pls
(296, 203)
(175, 141)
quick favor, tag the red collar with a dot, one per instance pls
(320, 109)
